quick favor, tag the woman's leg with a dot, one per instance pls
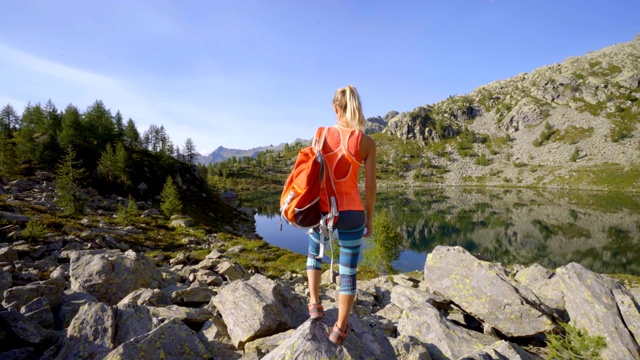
(350, 243)
(314, 267)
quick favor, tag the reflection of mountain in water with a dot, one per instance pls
(552, 228)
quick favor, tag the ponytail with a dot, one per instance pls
(348, 103)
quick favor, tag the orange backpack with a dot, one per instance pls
(300, 198)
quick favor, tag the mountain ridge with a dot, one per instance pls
(222, 153)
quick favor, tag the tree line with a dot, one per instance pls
(39, 137)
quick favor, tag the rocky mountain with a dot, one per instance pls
(572, 124)
(221, 153)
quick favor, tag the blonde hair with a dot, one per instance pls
(347, 101)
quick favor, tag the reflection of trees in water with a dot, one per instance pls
(532, 226)
(513, 225)
(267, 203)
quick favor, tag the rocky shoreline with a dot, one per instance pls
(110, 304)
(88, 295)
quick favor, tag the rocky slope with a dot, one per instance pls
(82, 292)
(528, 127)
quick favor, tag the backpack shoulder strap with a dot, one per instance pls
(318, 140)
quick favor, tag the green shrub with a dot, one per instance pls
(68, 184)
(33, 231)
(574, 344)
(126, 214)
(482, 160)
(575, 155)
(384, 247)
(171, 204)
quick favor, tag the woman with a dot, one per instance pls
(345, 148)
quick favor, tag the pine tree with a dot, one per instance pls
(170, 199)
(132, 136)
(106, 164)
(100, 127)
(32, 132)
(9, 120)
(69, 177)
(53, 119)
(121, 170)
(189, 151)
(71, 132)
(119, 126)
(8, 162)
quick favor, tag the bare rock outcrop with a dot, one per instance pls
(443, 338)
(309, 341)
(251, 309)
(592, 303)
(111, 275)
(485, 291)
(171, 340)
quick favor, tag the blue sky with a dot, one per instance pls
(242, 74)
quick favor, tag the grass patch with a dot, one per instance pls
(606, 176)
(572, 134)
(571, 231)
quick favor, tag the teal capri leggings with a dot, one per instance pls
(350, 227)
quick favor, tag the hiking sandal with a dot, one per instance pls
(316, 311)
(338, 335)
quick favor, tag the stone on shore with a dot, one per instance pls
(591, 304)
(486, 291)
(443, 338)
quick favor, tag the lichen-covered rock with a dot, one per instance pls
(19, 296)
(443, 338)
(190, 316)
(486, 291)
(256, 349)
(91, 333)
(147, 297)
(131, 320)
(380, 288)
(230, 270)
(172, 340)
(592, 306)
(40, 312)
(192, 296)
(6, 280)
(257, 308)
(407, 348)
(215, 338)
(392, 312)
(112, 275)
(8, 254)
(499, 351)
(629, 312)
(405, 297)
(532, 274)
(17, 331)
(549, 291)
(310, 341)
(71, 303)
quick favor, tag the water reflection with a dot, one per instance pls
(597, 229)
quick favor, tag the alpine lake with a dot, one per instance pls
(600, 230)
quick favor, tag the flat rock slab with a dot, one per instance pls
(486, 291)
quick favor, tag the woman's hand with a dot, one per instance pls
(368, 228)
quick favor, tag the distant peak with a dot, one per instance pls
(637, 38)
